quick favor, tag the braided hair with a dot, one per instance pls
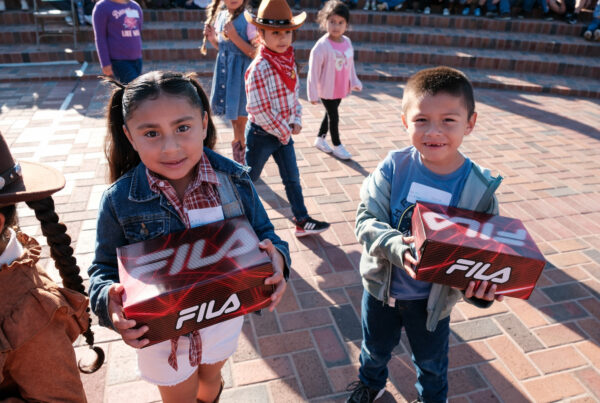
(62, 254)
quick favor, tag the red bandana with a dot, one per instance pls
(283, 63)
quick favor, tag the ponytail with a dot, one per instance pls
(119, 152)
(211, 15)
(62, 254)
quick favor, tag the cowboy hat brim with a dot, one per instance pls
(277, 25)
(36, 183)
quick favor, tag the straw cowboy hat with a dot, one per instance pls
(275, 15)
(25, 181)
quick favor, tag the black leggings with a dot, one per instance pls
(331, 120)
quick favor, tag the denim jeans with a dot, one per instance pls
(260, 145)
(382, 325)
(528, 5)
(126, 70)
(503, 5)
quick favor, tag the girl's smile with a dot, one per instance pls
(168, 133)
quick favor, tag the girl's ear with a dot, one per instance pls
(128, 135)
(205, 122)
(2, 221)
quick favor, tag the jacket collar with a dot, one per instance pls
(140, 191)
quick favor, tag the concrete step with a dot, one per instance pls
(481, 78)
(459, 57)
(371, 33)
(397, 19)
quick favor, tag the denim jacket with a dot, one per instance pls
(383, 247)
(131, 212)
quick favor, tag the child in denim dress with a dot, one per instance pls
(236, 42)
(592, 31)
(165, 181)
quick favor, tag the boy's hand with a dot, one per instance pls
(409, 260)
(482, 292)
(123, 325)
(295, 128)
(277, 277)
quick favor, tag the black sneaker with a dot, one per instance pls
(361, 393)
(310, 226)
(503, 17)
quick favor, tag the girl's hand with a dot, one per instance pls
(123, 325)
(314, 102)
(357, 89)
(229, 30)
(209, 32)
(108, 71)
(295, 128)
(481, 292)
(277, 278)
(409, 260)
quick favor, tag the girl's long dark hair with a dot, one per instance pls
(62, 254)
(125, 99)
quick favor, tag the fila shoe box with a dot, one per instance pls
(194, 278)
(456, 246)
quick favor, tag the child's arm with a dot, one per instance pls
(315, 68)
(211, 35)
(372, 229)
(355, 84)
(298, 108)
(247, 48)
(100, 23)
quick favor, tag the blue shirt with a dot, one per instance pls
(412, 181)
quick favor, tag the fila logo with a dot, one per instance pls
(239, 243)
(476, 270)
(437, 221)
(206, 311)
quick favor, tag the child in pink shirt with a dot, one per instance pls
(331, 74)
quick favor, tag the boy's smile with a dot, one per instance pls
(436, 125)
(277, 41)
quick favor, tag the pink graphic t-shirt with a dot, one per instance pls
(342, 68)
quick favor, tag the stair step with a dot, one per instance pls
(506, 80)
(408, 19)
(489, 59)
(410, 35)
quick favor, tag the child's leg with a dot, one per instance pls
(285, 157)
(331, 105)
(259, 147)
(184, 392)
(381, 327)
(238, 144)
(430, 351)
(324, 123)
(209, 381)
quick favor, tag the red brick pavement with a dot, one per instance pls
(544, 349)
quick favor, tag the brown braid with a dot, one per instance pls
(62, 253)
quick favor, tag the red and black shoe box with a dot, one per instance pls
(456, 246)
(195, 278)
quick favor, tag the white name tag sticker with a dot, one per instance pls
(131, 13)
(205, 216)
(424, 193)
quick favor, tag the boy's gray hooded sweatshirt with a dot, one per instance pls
(383, 246)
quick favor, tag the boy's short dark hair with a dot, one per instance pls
(439, 79)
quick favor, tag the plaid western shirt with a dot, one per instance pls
(270, 104)
(201, 193)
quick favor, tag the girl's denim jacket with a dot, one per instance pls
(383, 246)
(131, 212)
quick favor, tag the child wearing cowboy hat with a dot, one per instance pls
(274, 111)
(39, 320)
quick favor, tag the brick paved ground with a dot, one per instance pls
(544, 349)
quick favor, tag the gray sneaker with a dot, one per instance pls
(322, 144)
(341, 152)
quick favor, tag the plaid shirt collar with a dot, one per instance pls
(204, 174)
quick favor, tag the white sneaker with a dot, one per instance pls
(367, 6)
(341, 152)
(2, 5)
(427, 11)
(24, 5)
(322, 145)
(446, 12)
